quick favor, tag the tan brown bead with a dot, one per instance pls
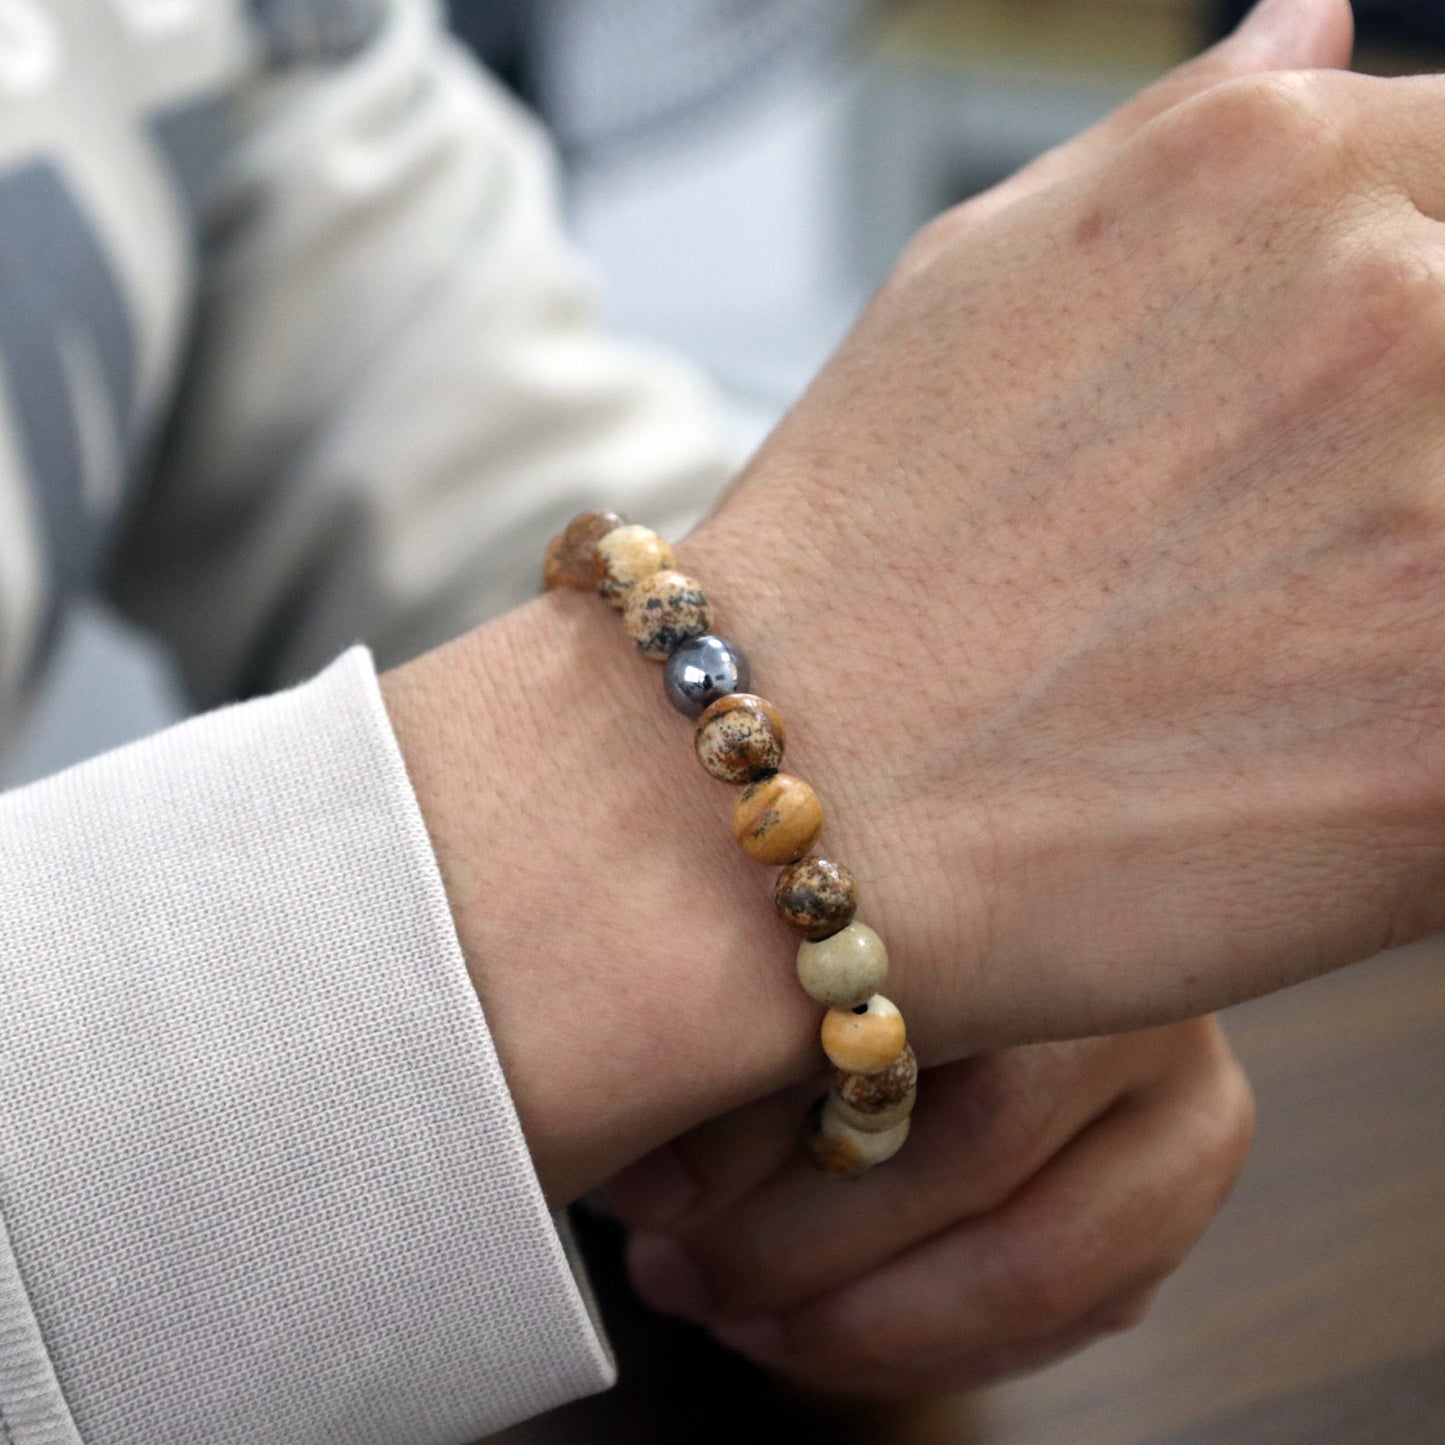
(865, 1039)
(836, 1148)
(878, 1123)
(664, 610)
(816, 897)
(740, 738)
(778, 819)
(571, 559)
(875, 1102)
(626, 556)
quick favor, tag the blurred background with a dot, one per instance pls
(742, 173)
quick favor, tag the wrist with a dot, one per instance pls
(634, 976)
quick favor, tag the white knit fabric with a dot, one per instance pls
(32, 1407)
(258, 1164)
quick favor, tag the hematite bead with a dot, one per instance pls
(703, 670)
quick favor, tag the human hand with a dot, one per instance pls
(1044, 1194)
(565, 808)
(1099, 575)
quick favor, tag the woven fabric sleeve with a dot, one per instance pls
(260, 1175)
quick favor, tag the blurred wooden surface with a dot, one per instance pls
(1312, 1314)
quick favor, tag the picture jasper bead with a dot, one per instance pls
(864, 1039)
(740, 738)
(625, 557)
(664, 610)
(878, 1123)
(836, 1148)
(778, 819)
(571, 559)
(845, 969)
(701, 671)
(816, 897)
(874, 1102)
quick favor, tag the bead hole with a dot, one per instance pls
(860, 1008)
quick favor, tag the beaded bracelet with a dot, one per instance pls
(739, 739)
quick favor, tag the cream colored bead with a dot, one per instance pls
(837, 1148)
(844, 970)
(864, 1039)
(625, 557)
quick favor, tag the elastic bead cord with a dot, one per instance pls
(740, 740)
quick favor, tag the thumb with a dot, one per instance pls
(1275, 35)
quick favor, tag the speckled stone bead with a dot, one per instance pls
(816, 897)
(703, 670)
(845, 969)
(571, 559)
(866, 1038)
(875, 1102)
(778, 819)
(665, 610)
(878, 1123)
(836, 1148)
(627, 555)
(740, 738)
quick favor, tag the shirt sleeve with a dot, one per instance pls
(398, 389)
(260, 1176)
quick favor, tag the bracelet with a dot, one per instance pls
(739, 739)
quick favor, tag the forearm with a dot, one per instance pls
(632, 971)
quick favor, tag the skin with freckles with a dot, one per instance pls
(1151, 437)
(1158, 452)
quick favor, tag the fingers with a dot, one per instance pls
(1074, 1253)
(982, 1128)
(707, 1170)
(997, 1108)
(1276, 35)
(972, 1366)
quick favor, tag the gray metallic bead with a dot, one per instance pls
(702, 670)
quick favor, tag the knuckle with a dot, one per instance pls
(1215, 1135)
(1284, 112)
(932, 240)
(1230, 1140)
(1393, 304)
(1273, 131)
